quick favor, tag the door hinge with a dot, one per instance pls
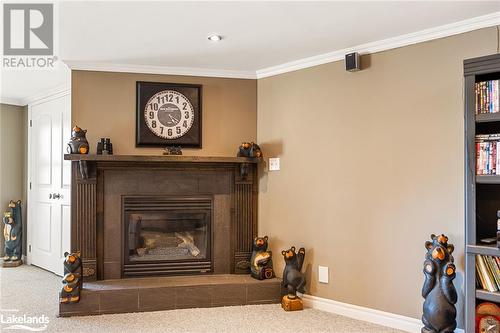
(31, 123)
(30, 185)
(29, 248)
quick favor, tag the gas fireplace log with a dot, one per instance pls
(188, 242)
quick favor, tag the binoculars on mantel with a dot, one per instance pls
(105, 147)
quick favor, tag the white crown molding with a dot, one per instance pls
(378, 317)
(372, 47)
(386, 44)
(47, 94)
(165, 70)
(11, 101)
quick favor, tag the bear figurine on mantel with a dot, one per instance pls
(78, 143)
(12, 233)
(439, 312)
(293, 279)
(249, 149)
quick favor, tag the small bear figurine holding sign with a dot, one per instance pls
(439, 312)
(73, 279)
(262, 260)
(12, 233)
(293, 279)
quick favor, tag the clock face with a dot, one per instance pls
(169, 114)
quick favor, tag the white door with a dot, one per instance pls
(49, 214)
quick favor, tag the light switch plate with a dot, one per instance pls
(323, 274)
(274, 163)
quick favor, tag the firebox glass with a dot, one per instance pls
(174, 236)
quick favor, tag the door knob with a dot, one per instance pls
(56, 196)
(50, 195)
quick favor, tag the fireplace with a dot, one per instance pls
(122, 203)
(183, 224)
(166, 235)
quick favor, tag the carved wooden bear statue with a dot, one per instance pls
(293, 279)
(439, 313)
(262, 260)
(249, 149)
(73, 279)
(12, 232)
(78, 143)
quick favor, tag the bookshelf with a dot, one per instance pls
(482, 192)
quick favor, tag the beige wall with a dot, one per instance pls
(371, 165)
(104, 104)
(13, 133)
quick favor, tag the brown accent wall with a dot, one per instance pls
(104, 104)
(372, 163)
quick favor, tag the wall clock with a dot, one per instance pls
(168, 114)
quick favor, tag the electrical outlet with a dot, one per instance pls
(323, 274)
(274, 163)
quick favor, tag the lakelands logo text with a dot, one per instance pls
(24, 322)
(28, 36)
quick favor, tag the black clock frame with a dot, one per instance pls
(145, 138)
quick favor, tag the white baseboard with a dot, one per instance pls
(378, 317)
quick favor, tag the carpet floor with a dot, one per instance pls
(30, 291)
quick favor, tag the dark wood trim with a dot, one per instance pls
(83, 226)
(161, 158)
(482, 65)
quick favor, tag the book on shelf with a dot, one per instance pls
(487, 97)
(487, 154)
(488, 272)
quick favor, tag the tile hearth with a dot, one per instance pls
(172, 292)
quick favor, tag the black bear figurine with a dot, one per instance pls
(262, 260)
(78, 143)
(73, 278)
(439, 313)
(293, 279)
(12, 233)
(249, 149)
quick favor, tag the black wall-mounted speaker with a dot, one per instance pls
(352, 62)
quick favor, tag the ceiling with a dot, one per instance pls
(256, 35)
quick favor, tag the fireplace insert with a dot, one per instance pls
(166, 235)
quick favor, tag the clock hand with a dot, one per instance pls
(173, 118)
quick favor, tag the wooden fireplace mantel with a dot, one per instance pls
(161, 158)
(243, 162)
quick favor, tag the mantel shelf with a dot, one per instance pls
(161, 158)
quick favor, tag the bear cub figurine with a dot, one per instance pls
(439, 312)
(249, 149)
(78, 143)
(73, 278)
(293, 279)
(262, 260)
